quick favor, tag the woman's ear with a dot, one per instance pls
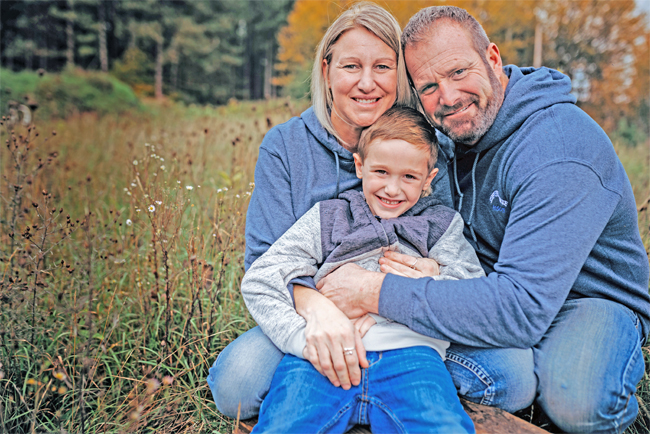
(358, 164)
(324, 67)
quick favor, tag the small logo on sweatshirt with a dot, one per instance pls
(500, 205)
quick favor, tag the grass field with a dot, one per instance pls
(121, 254)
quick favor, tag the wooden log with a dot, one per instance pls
(487, 420)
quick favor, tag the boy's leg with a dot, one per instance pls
(243, 372)
(301, 400)
(588, 364)
(410, 391)
(498, 377)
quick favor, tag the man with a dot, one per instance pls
(547, 205)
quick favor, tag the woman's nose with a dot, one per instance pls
(367, 81)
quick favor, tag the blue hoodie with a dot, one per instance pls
(550, 211)
(301, 164)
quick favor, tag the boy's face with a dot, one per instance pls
(394, 175)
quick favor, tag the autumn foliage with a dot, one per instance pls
(603, 46)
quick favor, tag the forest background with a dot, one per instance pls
(130, 134)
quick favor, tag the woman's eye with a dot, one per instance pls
(351, 66)
(384, 67)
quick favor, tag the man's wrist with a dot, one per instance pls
(370, 291)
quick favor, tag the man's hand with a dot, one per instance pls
(352, 289)
(330, 336)
(408, 266)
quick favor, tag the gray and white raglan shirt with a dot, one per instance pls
(339, 231)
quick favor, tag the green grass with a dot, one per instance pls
(109, 320)
(68, 93)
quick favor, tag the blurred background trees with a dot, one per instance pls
(211, 51)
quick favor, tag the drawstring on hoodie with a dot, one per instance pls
(460, 194)
(338, 171)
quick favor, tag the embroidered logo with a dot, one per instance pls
(501, 205)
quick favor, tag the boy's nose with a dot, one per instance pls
(392, 188)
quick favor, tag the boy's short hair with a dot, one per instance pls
(401, 123)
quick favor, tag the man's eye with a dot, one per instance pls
(459, 72)
(428, 90)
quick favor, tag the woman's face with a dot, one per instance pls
(362, 77)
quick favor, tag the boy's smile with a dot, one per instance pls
(394, 174)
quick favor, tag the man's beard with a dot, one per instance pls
(481, 123)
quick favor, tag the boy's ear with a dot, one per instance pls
(432, 175)
(358, 164)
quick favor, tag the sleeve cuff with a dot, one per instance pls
(307, 281)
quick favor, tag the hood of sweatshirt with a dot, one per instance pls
(327, 140)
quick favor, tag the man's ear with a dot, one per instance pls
(358, 164)
(493, 56)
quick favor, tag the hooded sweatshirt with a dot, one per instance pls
(301, 164)
(550, 211)
(344, 230)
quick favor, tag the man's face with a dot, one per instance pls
(459, 89)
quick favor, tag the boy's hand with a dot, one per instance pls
(408, 266)
(363, 324)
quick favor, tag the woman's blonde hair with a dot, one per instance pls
(377, 21)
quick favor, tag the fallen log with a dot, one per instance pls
(487, 420)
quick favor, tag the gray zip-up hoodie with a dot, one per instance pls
(338, 231)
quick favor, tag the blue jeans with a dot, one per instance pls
(585, 370)
(402, 391)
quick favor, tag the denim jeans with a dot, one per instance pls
(584, 371)
(402, 391)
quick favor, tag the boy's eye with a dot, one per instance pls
(380, 172)
(411, 177)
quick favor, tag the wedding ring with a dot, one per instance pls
(348, 351)
(416, 261)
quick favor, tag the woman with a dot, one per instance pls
(358, 74)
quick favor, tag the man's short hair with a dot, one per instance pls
(401, 123)
(424, 22)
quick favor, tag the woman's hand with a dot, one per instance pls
(334, 345)
(408, 266)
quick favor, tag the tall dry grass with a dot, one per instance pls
(121, 255)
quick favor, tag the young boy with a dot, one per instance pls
(406, 386)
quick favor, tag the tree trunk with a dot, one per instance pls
(103, 48)
(537, 54)
(159, 68)
(69, 31)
